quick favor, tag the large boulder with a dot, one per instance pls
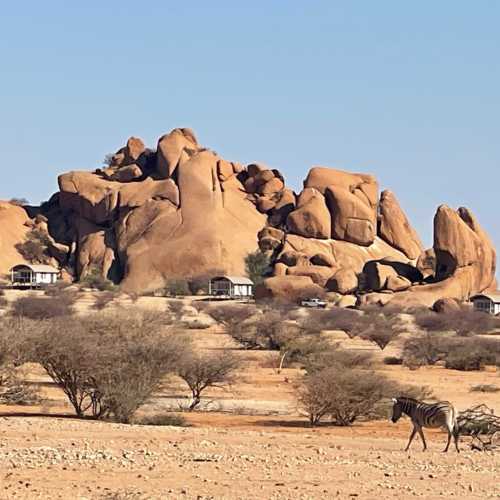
(340, 253)
(426, 263)
(344, 281)
(13, 229)
(465, 260)
(319, 274)
(95, 250)
(173, 149)
(395, 228)
(287, 288)
(311, 218)
(159, 241)
(461, 243)
(352, 219)
(352, 202)
(100, 201)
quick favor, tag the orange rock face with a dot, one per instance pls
(352, 202)
(395, 228)
(13, 229)
(183, 211)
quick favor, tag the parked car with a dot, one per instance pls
(313, 302)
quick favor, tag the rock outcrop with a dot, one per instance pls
(183, 211)
(13, 229)
(395, 228)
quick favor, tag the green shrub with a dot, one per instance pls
(257, 265)
(94, 279)
(34, 248)
(176, 288)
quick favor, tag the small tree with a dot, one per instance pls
(257, 265)
(106, 365)
(35, 247)
(201, 371)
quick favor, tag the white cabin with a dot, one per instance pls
(231, 286)
(487, 302)
(33, 275)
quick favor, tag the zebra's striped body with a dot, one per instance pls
(441, 414)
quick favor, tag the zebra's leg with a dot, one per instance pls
(412, 435)
(421, 432)
(449, 440)
(455, 438)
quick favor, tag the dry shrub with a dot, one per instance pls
(59, 288)
(268, 331)
(229, 315)
(458, 353)
(468, 358)
(13, 388)
(346, 394)
(336, 356)
(107, 365)
(103, 299)
(336, 318)
(172, 419)
(342, 394)
(201, 371)
(464, 322)
(40, 307)
(485, 388)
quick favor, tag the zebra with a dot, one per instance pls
(441, 414)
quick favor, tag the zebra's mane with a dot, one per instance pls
(407, 399)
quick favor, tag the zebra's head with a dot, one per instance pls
(397, 410)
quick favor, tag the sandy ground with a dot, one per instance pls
(255, 446)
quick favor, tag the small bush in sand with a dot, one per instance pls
(40, 307)
(393, 360)
(173, 419)
(485, 388)
(201, 371)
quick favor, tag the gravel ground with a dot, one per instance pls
(232, 458)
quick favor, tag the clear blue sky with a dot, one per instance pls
(408, 91)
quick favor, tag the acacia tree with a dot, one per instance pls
(201, 371)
